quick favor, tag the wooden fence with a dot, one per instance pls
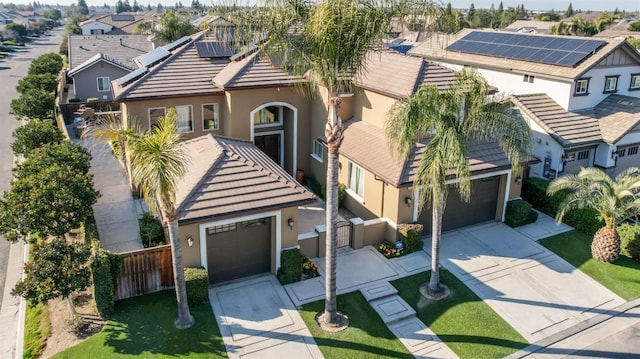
(145, 271)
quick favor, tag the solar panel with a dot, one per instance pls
(153, 57)
(174, 45)
(131, 76)
(213, 49)
(123, 18)
(535, 48)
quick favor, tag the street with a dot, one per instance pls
(12, 69)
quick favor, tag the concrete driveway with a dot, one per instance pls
(533, 289)
(258, 320)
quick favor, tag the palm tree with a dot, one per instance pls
(450, 120)
(614, 199)
(329, 41)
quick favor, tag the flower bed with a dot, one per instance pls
(309, 269)
(392, 250)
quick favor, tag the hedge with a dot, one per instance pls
(630, 240)
(291, 269)
(103, 289)
(197, 284)
(411, 236)
(519, 213)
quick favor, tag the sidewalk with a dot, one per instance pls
(11, 314)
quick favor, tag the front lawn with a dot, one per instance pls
(620, 277)
(142, 327)
(464, 322)
(366, 337)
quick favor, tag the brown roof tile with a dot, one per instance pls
(618, 115)
(251, 72)
(228, 177)
(121, 48)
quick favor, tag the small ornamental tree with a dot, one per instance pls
(18, 31)
(57, 269)
(33, 103)
(34, 134)
(47, 82)
(50, 63)
(72, 157)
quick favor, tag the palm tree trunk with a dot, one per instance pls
(436, 234)
(333, 132)
(185, 319)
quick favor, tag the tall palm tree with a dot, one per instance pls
(450, 120)
(328, 41)
(614, 199)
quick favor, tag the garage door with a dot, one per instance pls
(481, 207)
(239, 250)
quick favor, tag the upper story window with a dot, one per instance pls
(528, 78)
(582, 87)
(611, 84)
(104, 84)
(635, 82)
(356, 180)
(155, 113)
(97, 32)
(185, 118)
(318, 151)
(210, 117)
(270, 115)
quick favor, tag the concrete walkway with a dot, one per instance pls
(544, 227)
(116, 212)
(534, 290)
(258, 320)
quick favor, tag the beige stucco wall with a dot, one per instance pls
(190, 255)
(371, 107)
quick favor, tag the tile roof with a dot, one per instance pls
(183, 73)
(397, 75)
(95, 59)
(253, 71)
(608, 122)
(434, 48)
(84, 47)
(228, 177)
(389, 166)
(119, 26)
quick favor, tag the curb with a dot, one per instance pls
(578, 328)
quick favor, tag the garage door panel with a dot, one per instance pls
(239, 253)
(458, 213)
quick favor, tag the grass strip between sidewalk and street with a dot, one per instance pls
(620, 277)
(143, 327)
(466, 324)
(37, 329)
(366, 337)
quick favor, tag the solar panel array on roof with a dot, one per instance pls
(123, 18)
(174, 45)
(534, 48)
(213, 49)
(153, 57)
(133, 75)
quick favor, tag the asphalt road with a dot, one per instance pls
(12, 69)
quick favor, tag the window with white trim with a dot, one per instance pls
(610, 84)
(635, 82)
(318, 151)
(356, 180)
(528, 78)
(104, 84)
(155, 113)
(582, 87)
(210, 117)
(268, 115)
(185, 118)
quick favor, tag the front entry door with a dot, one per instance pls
(269, 144)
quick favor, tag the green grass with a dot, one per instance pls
(621, 277)
(366, 337)
(36, 330)
(142, 327)
(464, 322)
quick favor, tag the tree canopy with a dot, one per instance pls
(172, 27)
(47, 82)
(49, 63)
(33, 103)
(34, 134)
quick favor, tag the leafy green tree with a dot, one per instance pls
(471, 13)
(47, 197)
(47, 82)
(451, 120)
(57, 269)
(66, 154)
(634, 26)
(49, 63)
(33, 103)
(547, 16)
(82, 7)
(53, 14)
(73, 25)
(172, 27)
(33, 135)
(634, 42)
(615, 200)
(17, 31)
(569, 13)
(143, 28)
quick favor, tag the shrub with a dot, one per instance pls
(630, 238)
(103, 289)
(342, 193)
(586, 220)
(313, 185)
(411, 236)
(151, 231)
(197, 284)
(518, 213)
(291, 269)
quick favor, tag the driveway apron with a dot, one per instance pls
(533, 289)
(258, 320)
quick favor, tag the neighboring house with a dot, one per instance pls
(120, 24)
(531, 26)
(573, 91)
(94, 61)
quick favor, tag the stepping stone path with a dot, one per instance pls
(401, 319)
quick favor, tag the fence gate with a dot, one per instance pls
(343, 230)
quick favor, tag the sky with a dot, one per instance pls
(599, 5)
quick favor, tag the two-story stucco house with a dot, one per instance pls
(581, 96)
